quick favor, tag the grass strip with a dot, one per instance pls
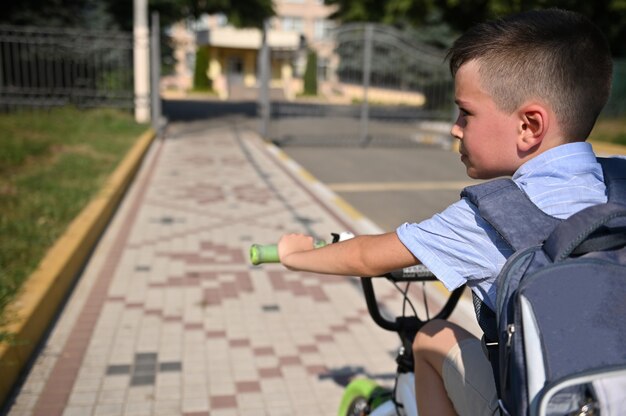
(51, 164)
(610, 130)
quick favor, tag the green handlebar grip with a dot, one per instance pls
(264, 254)
(269, 253)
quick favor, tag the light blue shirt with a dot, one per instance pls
(459, 246)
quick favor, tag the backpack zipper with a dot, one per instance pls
(510, 331)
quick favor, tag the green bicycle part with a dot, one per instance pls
(264, 254)
(362, 390)
(269, 253)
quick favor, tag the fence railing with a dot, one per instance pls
(41, 67)
(384, 88)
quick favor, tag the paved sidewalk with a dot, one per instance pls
(169, 318)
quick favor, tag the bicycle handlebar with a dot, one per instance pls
(268, 253)
(394, 326)
(410, 274)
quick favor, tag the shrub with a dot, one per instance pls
(201, 81)
(310, 74)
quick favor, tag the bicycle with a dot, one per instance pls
(365, 396)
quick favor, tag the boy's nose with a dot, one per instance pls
(456, 131)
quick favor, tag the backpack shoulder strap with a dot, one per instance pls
(614, 170)
(509, 210)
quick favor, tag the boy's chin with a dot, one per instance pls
(471, 171)
(474, 175)
(477, 174)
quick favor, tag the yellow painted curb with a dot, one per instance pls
(47, 286)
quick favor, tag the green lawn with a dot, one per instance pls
(610, 130)
(51, 164)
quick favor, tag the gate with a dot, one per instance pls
(56, 67)
(386, 90)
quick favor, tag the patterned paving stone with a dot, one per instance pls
(169, 318)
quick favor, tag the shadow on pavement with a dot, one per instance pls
(192, 110)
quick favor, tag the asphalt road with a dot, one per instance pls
(388, 185)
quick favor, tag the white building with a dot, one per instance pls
(299, 25)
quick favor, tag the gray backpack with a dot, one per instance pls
(557, 339)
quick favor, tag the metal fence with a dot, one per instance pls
(42, 67)
(384, 57)
(392, 91)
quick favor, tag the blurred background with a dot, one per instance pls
(376, 68)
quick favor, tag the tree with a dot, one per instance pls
(241, 13)
(118, 14)
(436, 16)
(349, 11)
(201, 81)
(54, 13)
(310, 74)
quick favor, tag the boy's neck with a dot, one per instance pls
(546, 149)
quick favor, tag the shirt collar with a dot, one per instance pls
(581, 151)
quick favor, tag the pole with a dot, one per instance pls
(264, 72)
(367, 67)
(141, 61)
(155, 69)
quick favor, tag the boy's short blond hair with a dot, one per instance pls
(558, 57)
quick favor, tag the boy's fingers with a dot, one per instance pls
(291, 243)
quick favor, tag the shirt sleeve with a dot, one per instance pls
(459, 247)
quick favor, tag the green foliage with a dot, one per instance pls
(201, 82)
(7, 293)
(610, 130)
(118, 14)
(248, 13)
(609, 15)
(52, 164)
(56, 13)
(310, 74)
(617, 101)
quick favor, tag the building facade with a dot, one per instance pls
(299, 26)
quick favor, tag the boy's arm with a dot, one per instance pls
(368, 255)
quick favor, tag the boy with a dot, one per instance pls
(529, 89)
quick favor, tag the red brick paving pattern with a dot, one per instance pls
(215, 270)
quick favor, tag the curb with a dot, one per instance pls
(44, 291)
(351, 215)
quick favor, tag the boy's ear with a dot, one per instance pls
(534, 121)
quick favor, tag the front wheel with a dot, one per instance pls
(361, 397)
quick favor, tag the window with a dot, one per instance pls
(190, 60)
(221, 19)
(322, 28)
(292, 24)
(322, 68)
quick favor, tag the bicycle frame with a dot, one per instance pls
(405, 396)
(406, 327)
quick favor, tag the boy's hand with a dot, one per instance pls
(293, 243)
